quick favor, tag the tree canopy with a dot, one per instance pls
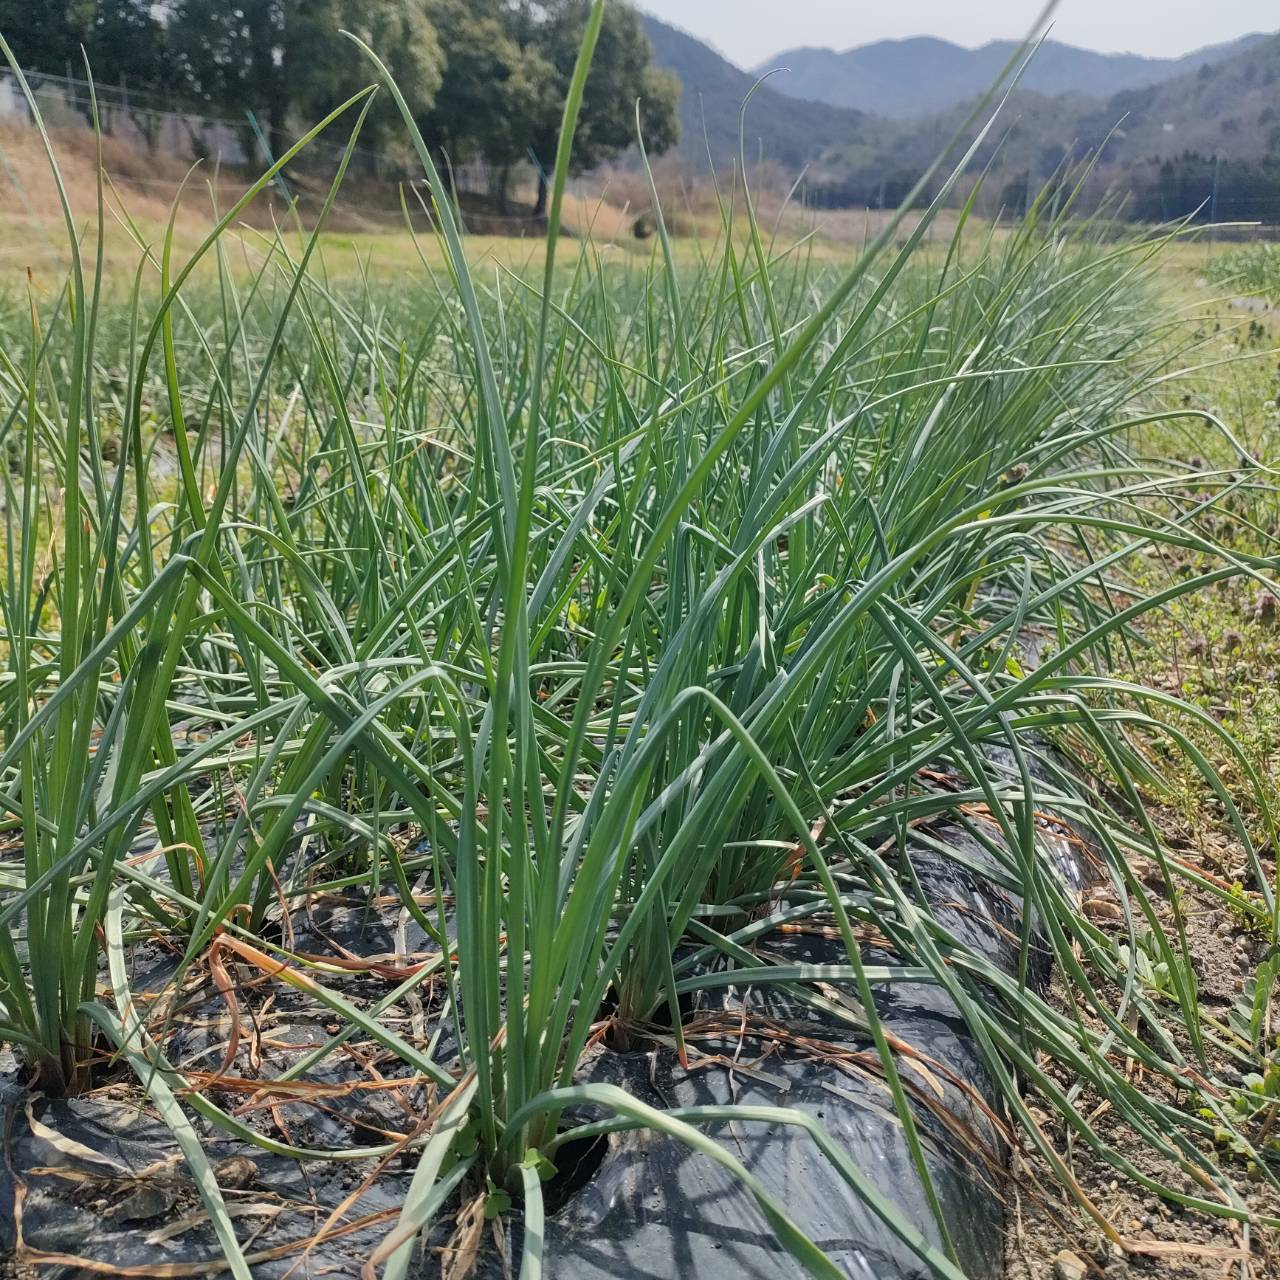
(485, 78)
(322, 68)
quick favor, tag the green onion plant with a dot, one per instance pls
(609, 614)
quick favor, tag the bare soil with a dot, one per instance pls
(1048, 1237)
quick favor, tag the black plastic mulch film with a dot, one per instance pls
(650, 1208)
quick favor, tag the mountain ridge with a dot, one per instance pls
(791, 131)
(1205, 139)
(921, 75)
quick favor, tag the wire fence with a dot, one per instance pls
(155, 124)
(135, 117)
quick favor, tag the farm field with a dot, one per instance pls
(468, 701)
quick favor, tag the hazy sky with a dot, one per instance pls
(749, 31)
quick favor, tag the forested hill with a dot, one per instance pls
(1229, 108)
(1170, 145)
(787, 130)
(1207, 140)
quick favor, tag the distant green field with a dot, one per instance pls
(1254, 269)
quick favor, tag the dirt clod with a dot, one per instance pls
(151, 1200)
(235, 1173)
(1069, 1266)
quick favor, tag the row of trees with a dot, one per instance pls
(1208, 188)
(484, 77)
